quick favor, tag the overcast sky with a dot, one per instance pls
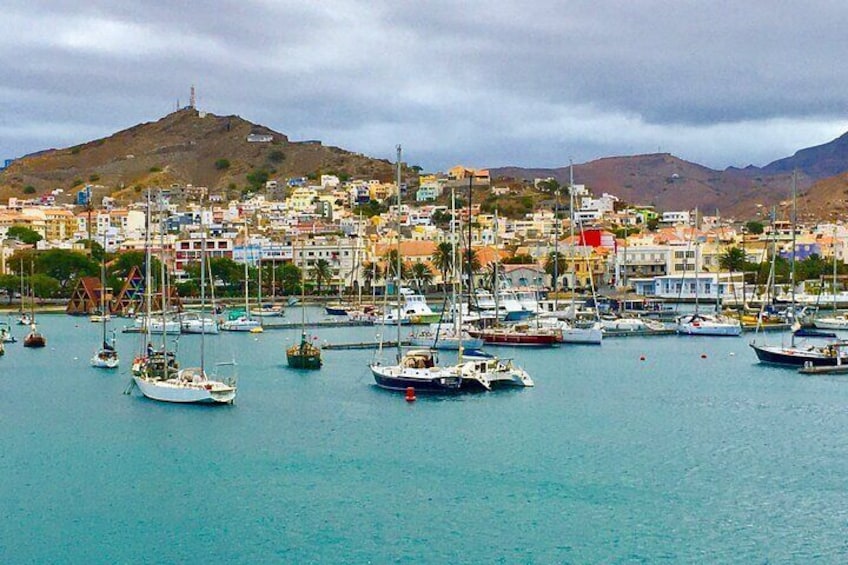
(484, 84)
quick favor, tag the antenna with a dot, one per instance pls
(192, 100)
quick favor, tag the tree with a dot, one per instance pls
(371, 273)
(321, 273)
(66, 266)
(222, 164)
(548, 185)
(732, 260)
(288, 277)
(555, 266)
(230, 273)
(519, 259)
(392, 264)
(97, 250)
(24, 235)
(755, 228)
(44, 286)
(11, 284)
(443, 259)
(422, 275)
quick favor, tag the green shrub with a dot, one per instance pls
(29, 189)
(222, 164)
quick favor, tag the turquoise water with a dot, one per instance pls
(609, 459)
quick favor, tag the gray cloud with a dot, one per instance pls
(485, 84)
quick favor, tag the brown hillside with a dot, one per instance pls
(670, 183)
(183, 147)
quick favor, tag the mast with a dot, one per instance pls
(496, 283)
(148, 290)
(202, 294)
(454, 282)
(794, 219)
(468, 251)
(103, 290)
(246, 279)
(556, 250)
(571, 235)
(398, 252)
(162, 274)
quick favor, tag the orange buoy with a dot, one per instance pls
(410, 394)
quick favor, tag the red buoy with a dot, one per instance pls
(410, 394)
(703, 355)
(641, 358)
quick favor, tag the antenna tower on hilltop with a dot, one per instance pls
(192, 100)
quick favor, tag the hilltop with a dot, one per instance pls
(184, 147)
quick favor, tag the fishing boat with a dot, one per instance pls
(303, 355)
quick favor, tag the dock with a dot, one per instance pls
(365, 345)
(824, 370)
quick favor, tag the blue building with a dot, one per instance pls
(84, 196)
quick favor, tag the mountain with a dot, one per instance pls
(184, 147)
(670, 183)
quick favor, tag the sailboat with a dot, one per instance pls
(24, 319)
(835, 321)
(567, 323)
(165, 382)
(6, 333)
(303, 355)
(793, 355)
(698, 323)
(107, 356)
(417, 368)
(34, 338)
(244, 322)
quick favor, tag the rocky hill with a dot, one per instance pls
(668, 182)
(185, 147)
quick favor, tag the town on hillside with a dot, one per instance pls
(340, 232)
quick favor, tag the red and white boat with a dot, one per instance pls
(519, 334)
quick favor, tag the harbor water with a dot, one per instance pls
(645, 449)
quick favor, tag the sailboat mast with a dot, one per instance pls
(103, 289)
(202, 295)
(162, 271)
(148, 290)
(556, 250)
(246, 279)
(571, 234)
(794, 219)
(454, 282)
(398, 252)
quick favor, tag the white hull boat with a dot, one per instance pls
(189, 386)
(702, 324)
(240, 324)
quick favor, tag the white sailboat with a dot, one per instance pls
(698, 323)
(244, 322)
(415, 369)
(107, 356)
(190, 385)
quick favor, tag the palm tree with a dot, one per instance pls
(733, 260)
(443, 259)
(391, 266)
(422, 275)
(472, 264)
(322, 273)
(371, 273)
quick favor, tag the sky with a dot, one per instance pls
(533, 83)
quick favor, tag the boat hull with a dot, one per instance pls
(172, 391)
(298, 361)
(422, 380)
(795, 357)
